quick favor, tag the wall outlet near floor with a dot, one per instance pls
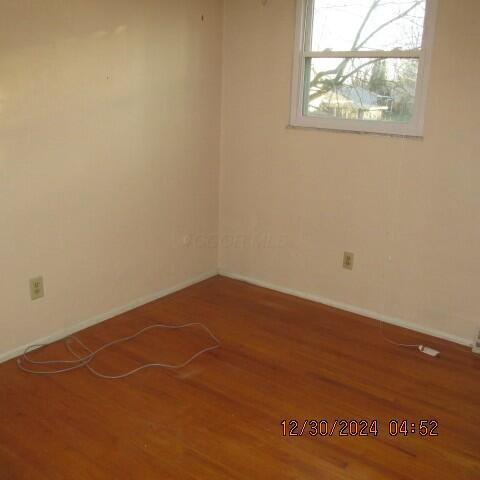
(348, 260)
(36, 288)
(476, 344)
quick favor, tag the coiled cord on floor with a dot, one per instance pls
(84, 361)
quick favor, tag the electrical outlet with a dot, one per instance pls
(348, 260)
(36, 288)
(476, 344)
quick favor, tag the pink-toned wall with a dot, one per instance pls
(111, 129)
(109, 154)
(295, 200)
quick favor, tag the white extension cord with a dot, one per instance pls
(422, 348)
(429, 351)
(84, 361)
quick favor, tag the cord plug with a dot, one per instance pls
(429, 351)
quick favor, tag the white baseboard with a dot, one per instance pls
(163, 293)
(351, 308)
(105, 316)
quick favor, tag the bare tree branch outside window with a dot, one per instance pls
(379, 88)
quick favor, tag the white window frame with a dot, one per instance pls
(413, 128)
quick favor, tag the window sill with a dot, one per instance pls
(356, 132)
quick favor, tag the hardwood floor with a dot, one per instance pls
(220, 418)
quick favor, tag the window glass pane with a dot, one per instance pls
(361, 88)
(364, 25)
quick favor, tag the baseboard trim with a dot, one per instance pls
(58, 335)
(350, 308)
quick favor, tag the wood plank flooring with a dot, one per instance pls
(282, 358)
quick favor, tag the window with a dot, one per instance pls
(362, 65)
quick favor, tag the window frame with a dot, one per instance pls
(414, 127)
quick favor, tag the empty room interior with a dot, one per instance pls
(239, 239)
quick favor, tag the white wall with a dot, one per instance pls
(408, 209)
(109, 154)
